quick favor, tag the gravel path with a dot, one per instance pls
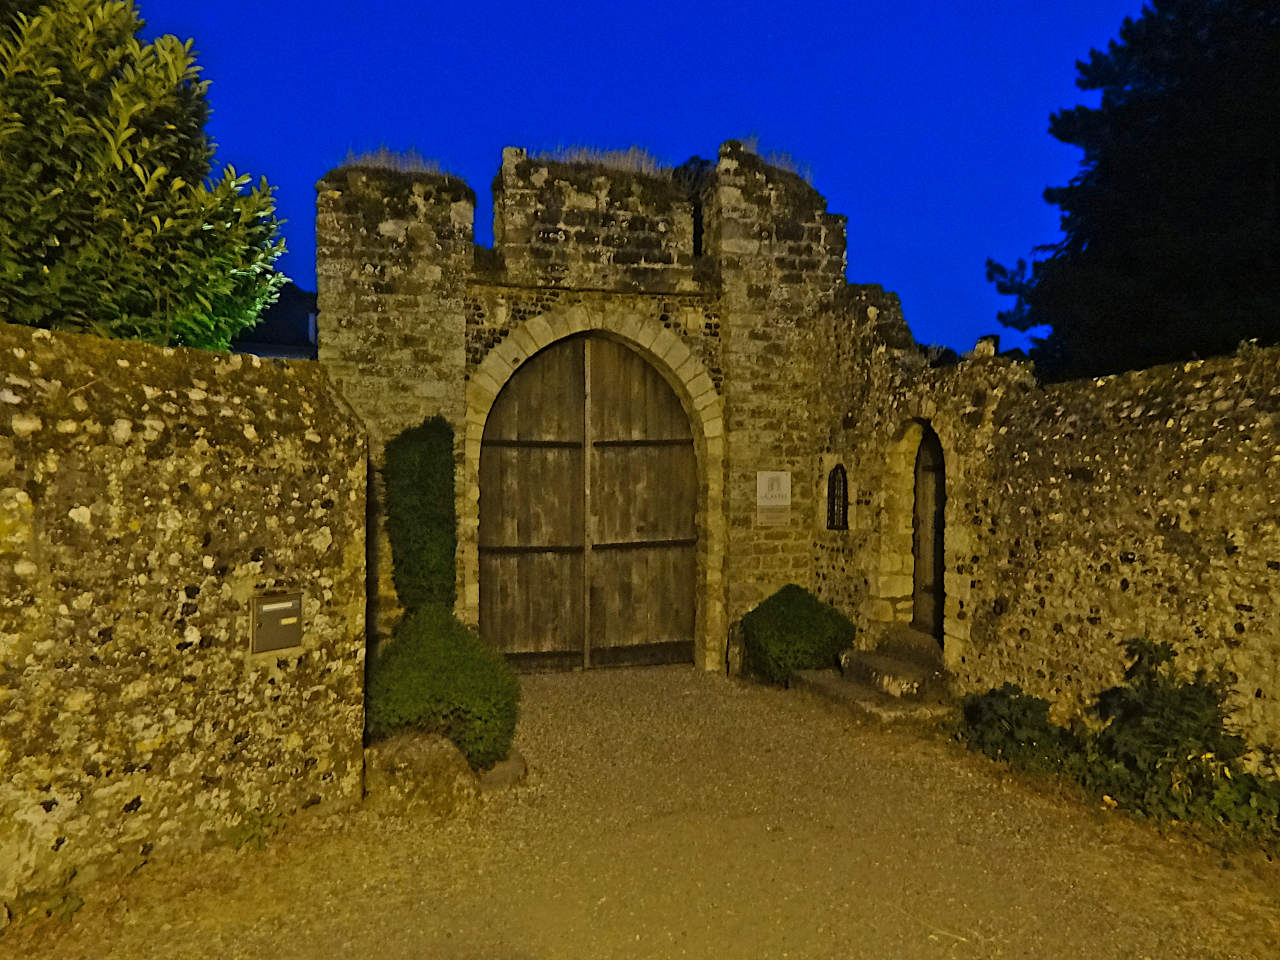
(671, 813)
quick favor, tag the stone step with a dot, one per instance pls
(897, 676)
(908, 644)
(866, 701)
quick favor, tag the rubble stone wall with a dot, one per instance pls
(778, 258)
(1078, 515)
(584, 226)
(394, 254)
(1144, 504)
(146, 495)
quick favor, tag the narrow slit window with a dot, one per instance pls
(837, 499)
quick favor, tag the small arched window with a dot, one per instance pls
(837, 499)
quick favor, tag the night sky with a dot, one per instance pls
(924, 122)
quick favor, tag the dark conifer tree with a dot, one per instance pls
(1171, 228)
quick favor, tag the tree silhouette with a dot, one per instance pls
(1171, 227)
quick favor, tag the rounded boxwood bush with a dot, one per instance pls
(437, 676)
(793, 630)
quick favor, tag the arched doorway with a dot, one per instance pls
(588, 498)
(927, 598)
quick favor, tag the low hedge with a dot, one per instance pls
(1165, 747)
(792, 630)
(437, 676)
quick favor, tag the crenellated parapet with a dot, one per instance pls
(586, 226)
(769, 223)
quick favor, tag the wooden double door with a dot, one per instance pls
(588, 498)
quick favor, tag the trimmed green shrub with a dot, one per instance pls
(1164, 750)
(437, 676)
(421, 515)
(792, 630)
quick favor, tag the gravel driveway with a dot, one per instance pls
(672, 813)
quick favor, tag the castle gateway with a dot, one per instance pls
(606, 503)
(668, 402)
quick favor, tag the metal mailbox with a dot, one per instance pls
(276, 622)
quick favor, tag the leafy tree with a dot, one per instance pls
(1171, 228)
(109, 220)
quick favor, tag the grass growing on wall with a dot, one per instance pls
(1164, 749)
(632, 160)
(384, 158)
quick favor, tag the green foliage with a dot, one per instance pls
(435, 674)
(792, 630)
(1171, 243)
(421, 515)
(1164, 749)
(107, 223)
(439, 677)
(1009, 725)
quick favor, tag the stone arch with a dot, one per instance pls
(892, 585)
(692, 383)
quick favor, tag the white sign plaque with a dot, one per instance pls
(773, 498)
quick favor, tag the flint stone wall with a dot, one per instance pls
(1078, 515)
(1144, 504)
(145, 496)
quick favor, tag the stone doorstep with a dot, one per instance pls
(903, 663)
(894, 677)
(865, 700)
(906, 643)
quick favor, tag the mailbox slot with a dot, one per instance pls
(276, 622)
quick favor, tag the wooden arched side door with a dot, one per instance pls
(928, 600)
(588, 494)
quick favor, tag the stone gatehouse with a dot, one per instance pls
(668, 402)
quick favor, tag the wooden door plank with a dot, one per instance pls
(588, 521)
(547, 501)
(530, 551)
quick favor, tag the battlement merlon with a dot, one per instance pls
(395, 251)
(419, 216)
(771, 223)
(586, 225)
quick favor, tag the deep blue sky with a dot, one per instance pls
(924, 121)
